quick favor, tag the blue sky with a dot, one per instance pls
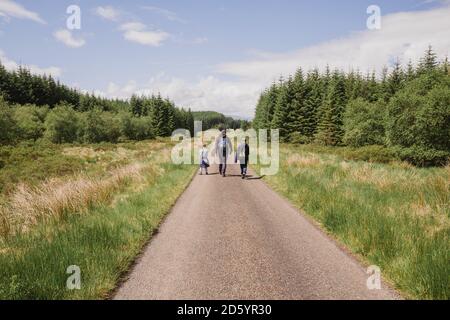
(211, 55)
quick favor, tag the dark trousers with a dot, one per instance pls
(243, 168)
(223, 168)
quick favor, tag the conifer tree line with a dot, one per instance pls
(213, 119)
(406, 110)
(34, 107)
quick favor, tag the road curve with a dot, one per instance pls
(228, 238)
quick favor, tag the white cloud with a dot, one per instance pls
(66, 37)
(137, 32)
(206, 93)
(12, 65)
(9, 8)
(200, 40)
(169, 15)
(108, 13)
(404, 35)
(136, 26)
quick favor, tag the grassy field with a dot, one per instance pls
(95, 207)
(392, 215)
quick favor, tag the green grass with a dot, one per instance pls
(392, 215)
(32, 163)
(103, 241)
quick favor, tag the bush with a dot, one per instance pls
(373, 153)
(62, 125)
(134, 128)
(99, 126)
(433, 120)
(8, 125)
(364, 123)
(419, 125)
(420, 120)
(30, 121)
(423, 157)
(298, 138)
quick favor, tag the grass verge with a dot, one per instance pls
(102, 242)
(393, 215)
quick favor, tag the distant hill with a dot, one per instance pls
(213, 119)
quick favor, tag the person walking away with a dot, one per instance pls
(242, 155)
(223, 149)
(204, 161)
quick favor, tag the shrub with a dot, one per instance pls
(30, 121)
(373, 153)
(423, 157)
(8, 125)
(433, 120)
(364, 123)
(419, 118)
(99, 126)
(135, 128)
(298, 138)
(62, 125)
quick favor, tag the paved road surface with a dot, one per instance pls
(232, 239)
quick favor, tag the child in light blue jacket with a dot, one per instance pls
(204, 161)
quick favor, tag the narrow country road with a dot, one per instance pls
(232, 239)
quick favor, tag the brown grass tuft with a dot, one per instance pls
(307, 160)
(52, 199)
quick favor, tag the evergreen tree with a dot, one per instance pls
(330, 130)
(312, 103)
(137, 105)
(429, 62)
(410, 71)
(395, 80)
(282, 108)
(296, 89)
(445, 66)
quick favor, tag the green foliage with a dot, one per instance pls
(136, 128)
(433, 119)
(62, 125)
(298, 138)
(31, 162)
(422, 156)
(101, 126)
(406, 108)
(8, 125)
(282, 109)
(329, 129)
(421, 120)
(30, 121)
(312, 96)
(162, 115)
(364, 123)
(21, 87)
(266, 107)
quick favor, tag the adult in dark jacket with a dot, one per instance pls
(242, 155)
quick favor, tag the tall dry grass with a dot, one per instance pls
(55, 197)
